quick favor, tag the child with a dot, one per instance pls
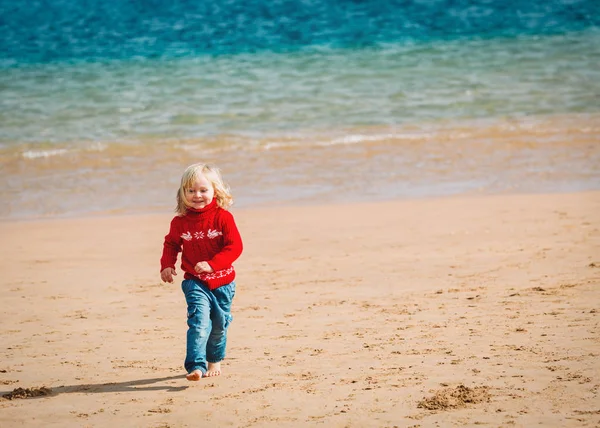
(209, 241)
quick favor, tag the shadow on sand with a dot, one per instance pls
(129, 386)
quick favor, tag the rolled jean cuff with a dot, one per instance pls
(200, 369)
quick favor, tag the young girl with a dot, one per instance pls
(209, 241)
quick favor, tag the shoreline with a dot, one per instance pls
(544, 155)
(352, 315)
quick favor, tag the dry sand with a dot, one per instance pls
(438, 312)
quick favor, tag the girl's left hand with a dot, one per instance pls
(203, 267)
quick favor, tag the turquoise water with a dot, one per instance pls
(269, 95)
(93, 30)
(418, 97)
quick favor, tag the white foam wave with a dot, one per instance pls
(97, 147)
(360, 138)
(36, 154)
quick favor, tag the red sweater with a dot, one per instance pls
(205, 235)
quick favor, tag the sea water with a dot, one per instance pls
(103, 104)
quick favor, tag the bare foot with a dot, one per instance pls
(214, 369)
(195, 375)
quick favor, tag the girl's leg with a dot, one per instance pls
(199, 327)
(217, 341)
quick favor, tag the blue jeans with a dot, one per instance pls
(208, 316)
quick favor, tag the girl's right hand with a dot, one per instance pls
(167, 275)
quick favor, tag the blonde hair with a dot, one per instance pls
(213, 175)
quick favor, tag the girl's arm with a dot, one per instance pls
(171, 247)
(232, 244)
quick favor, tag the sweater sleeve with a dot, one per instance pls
(171, 247)
(232, 243)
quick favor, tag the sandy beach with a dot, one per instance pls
(457, 311)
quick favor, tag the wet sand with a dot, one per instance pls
(457, 311)
(543, 154)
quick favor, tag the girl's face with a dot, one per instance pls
(200, 193)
